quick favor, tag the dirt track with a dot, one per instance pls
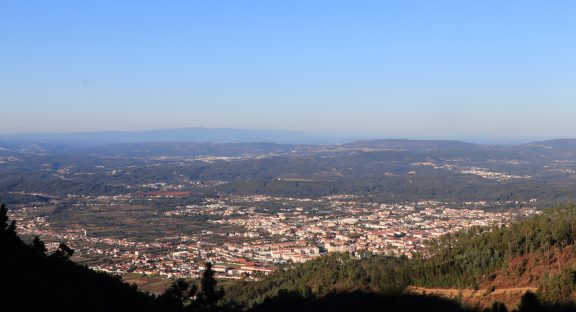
(479, 298)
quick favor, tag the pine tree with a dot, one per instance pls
(5, 227)
(39, 246)
(63, 252)
(209, 294)
(179, 292)
(3, 218)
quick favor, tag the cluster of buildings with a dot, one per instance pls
(260, 233)
(478, 171)
(8, 159)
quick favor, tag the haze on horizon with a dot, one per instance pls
(380, 68)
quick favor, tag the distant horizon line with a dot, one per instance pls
(306, 135)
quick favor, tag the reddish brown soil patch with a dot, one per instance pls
(529, 270)
(508, 284)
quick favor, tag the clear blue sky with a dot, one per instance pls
(385, 68)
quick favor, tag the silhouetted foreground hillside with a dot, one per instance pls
(33, 281)
(358, 301)
(362, 301)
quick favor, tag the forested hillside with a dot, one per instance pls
(335, 273)
(468, 258)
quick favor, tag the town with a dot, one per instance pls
(245, 236)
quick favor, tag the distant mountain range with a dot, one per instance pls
(230, 135)
(238, 142)
(194, 134)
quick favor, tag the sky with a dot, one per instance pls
(381, 68)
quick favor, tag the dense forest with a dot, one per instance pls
(335, 273)
(469, 257)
